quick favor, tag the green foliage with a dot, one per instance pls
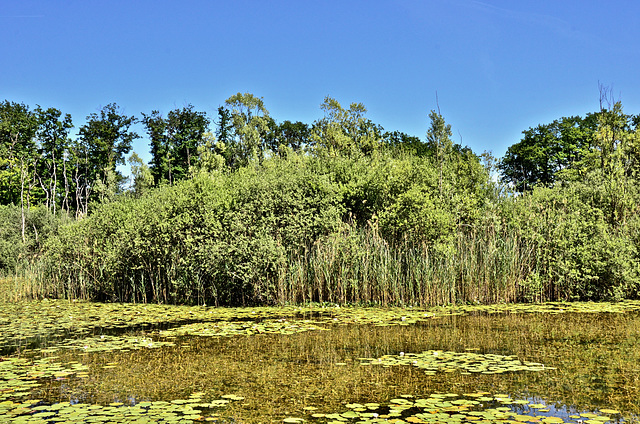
(141, 175)
(53, 148)
(250, 121)
(399, 141)
(547, 150)
(265, 213)
(217, 238)
(294, 135)
(243, 237)
(578, 255)
(16, 252)
(11, 247)
(418, 215)
(105, 139)
(175, 142)
(344, 131)
(18, 126)
(580, 213)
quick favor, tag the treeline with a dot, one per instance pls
(42, 164)
(260, 212)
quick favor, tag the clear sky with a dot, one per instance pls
(498, 66)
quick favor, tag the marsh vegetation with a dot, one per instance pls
(260, 212)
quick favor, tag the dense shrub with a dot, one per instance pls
(215, 238)
(578, 254)
(17, 251)
(368, 229)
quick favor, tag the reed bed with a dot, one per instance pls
(350, 266)
(360, 267)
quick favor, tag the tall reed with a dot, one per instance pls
(359, 266)
(355, 265)
(25, 283)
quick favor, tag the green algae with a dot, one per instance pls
(243, 328)
(190, 410)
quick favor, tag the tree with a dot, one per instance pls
(438, 139)
(295, 135)
(345, 131)
(287, 136)
(400, 141)
(160, 164)
(185, 129)
(106, 138)
(250, 123)
(211, 154)
(18, 126)
(140, 174)
(617, 146)
(53, 148)
(546, 150)
(224, 135)
(174, 142)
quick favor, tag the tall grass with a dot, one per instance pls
(26, 282)
(358, 266)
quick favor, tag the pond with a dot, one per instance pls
(72, 362)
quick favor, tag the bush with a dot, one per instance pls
(16, 252)
(579, 255)
(218, 238)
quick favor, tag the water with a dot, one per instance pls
(596, 357)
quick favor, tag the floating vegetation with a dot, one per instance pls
(432, 361)
(479, 407)
(133, 363)
(181, 411)
(244, 328)
(19, 376)
(23, 321)
(107, 343)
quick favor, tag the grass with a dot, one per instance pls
(22, 286)
(352, 266)
(360, 267)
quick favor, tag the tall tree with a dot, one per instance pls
(142, 180)
(160, 164)
(439, 140)
(397, 140)
(53, 148)
(617, 144)
(546, 150)
(107, 138)
(174, 142)
(294, 135)
(224, 137)
(345, 131)
(250, 123)
(18, 126)
(185, 129)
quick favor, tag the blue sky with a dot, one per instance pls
(498, 67)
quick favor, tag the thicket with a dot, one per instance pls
(344, 213)
(294, 229)
(366, 230)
